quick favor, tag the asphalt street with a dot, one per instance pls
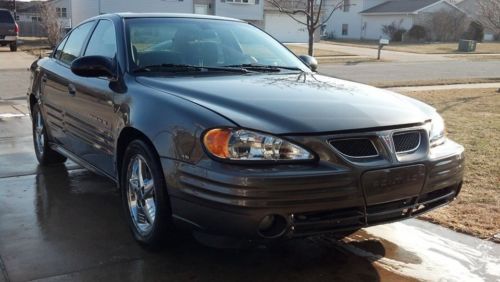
(65, 223)
(371, 73)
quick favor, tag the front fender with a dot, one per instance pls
(174, 125)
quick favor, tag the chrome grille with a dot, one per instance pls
(355, 147)
(405, 142)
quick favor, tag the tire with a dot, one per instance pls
(147, 210)
(44, 154)
(13, 47)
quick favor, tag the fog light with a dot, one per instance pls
(272, 226)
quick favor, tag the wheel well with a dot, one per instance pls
(128, 135)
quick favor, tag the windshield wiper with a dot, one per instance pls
(266, 68)
(176, 68)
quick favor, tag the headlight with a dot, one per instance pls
(245, 145)
(437, 132)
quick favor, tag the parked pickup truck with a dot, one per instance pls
(8, 30)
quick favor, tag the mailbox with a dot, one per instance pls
(383, 41)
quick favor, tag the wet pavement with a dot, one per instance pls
(65, 223)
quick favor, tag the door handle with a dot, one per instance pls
(71, 90)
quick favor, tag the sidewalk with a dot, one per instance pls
(445, 87)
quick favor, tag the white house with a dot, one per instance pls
(280, 26)
(364, 19)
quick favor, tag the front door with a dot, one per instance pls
(91, 108)
(55, 88)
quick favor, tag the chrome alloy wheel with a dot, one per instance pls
(141, 194)
(39, 133)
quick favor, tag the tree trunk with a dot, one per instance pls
(311, 43)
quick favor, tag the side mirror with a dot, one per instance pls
(94, 66)
(310, 61)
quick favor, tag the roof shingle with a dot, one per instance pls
(399, 6)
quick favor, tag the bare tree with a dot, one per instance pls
(50, 23)
(447, 25)
(312, 10)
(394, 30)
(489, 11)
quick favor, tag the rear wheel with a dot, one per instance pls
(13, 47)
(144, 195)
(44, 154)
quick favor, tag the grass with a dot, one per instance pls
(37, 46)
(388, 84)
(427, 48)
(473, 120)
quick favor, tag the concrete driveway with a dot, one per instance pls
(64, 223)
(14, 75)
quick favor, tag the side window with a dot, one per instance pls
(103, 40)
(59, 49)
(74, 43)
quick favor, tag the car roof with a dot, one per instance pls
(172, 15)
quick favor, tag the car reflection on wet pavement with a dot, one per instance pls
(66, 223)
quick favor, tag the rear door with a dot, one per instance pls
(56, 85)
(90, 111)
(7, 24)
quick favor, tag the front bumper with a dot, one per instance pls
(232, 200)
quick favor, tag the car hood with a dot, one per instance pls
(294, 103)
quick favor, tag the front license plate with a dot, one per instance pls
(393, 184)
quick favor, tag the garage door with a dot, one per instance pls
(284, 28)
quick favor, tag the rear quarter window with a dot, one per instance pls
(6, 17)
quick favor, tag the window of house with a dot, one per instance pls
(347, 5)
(62, 12)
(345, 29)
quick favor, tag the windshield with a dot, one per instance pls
(203, 43)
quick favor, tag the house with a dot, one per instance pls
(473, 9)
(257, 12)
(283, 27)
(29, 19)
(364, 19)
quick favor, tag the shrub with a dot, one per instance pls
(475, 31)
(417, 32)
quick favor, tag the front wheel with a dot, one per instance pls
(144, 195)
(44, 154)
